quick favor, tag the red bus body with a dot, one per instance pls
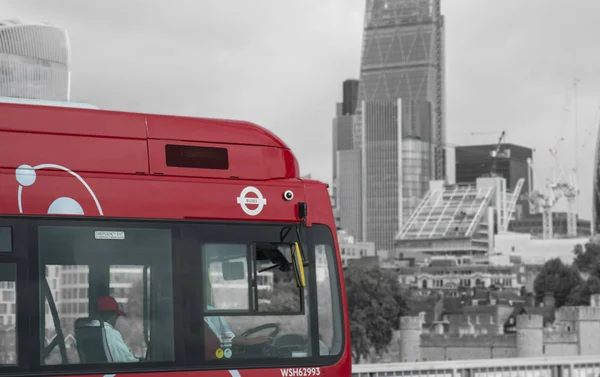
(121, 159)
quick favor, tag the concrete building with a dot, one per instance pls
(349, 192)
(596, 188)
(34, 61)
(347, 164)
(475, 161)
(449, 278)
(509, 247)
(351, 249)
(533, 225)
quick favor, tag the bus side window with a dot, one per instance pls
(330, 327)
(8, 314)
(81, 264)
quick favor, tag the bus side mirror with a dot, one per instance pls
(233, 271)
(298, 265)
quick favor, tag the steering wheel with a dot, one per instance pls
(253, 330)
(287, 344)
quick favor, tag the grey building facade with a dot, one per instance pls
(396, 170)
(346, 163)
(475, 161)
(349, 203)
(596, 189)
(34, 61)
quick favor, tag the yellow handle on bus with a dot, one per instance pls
(298, 266)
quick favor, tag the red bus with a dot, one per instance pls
(201, 232)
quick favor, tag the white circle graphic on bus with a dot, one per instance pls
(26, 176)
(244, 201)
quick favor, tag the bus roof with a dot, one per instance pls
(76, 119)
(94, 140)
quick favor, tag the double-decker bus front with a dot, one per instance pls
(132, 246)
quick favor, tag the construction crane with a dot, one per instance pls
(541, 201)
(566, 185)
(497, 153)
(545, 199)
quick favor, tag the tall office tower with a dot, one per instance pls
(395, 161)
(349, 202)
(402, 90)
(347, 163)
(596, 188)
(350, 96)
(403, 57)
(342, 123)
(34, 61)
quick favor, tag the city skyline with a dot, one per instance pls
(482, 69)
(431, 270)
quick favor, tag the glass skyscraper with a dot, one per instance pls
(347, 163)
(399, 126)
(596, 188)
(34, 61)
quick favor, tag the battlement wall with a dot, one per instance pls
(577, 313)
(560, 337)
(575, 332)
(430, 347)
(468, 341)
(530, 321)
(411, 323)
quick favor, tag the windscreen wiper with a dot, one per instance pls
(283, 267)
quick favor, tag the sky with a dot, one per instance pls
(510, 65)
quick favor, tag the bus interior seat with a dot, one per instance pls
(92, 345)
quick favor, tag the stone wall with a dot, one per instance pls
(443, 347)
(575, 333)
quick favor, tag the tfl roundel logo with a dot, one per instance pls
(252, 205)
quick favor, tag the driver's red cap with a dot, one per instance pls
(108, 304)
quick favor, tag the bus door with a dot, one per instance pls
(84, 262)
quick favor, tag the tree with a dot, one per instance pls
(587, 258)
(558, 278)
(284, 297)
(523, 291)
(375, 303)
(580, 295)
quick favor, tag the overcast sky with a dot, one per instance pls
(280, 63)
